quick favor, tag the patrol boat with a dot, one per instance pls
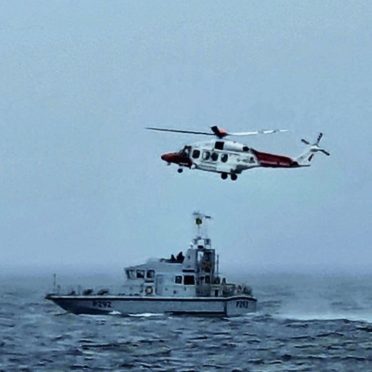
(185, 284)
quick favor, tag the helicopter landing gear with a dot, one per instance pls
(223, 176)
(179, 170)
(233, 176)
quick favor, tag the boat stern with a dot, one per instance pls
(240, 305)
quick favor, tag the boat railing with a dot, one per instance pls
(228, 289)
(87, 291)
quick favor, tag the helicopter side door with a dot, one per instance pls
(216, 159)
(209, 160)
(195, 156)
(201, 158)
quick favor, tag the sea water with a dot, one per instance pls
(303, 323)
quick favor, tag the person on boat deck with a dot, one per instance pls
(180, 257)
(173, 259)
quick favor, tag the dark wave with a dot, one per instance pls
(293, 330)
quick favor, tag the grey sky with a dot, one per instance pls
(81, 182)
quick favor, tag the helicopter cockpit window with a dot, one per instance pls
(214, 156)
(224, 158)
(195, 154)
(219, 145)
(206, 155)
(186, 150)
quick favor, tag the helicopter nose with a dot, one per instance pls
(177, 158)
(168, 157)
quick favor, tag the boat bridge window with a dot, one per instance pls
(150, 274)
(195, 154)
(189, 280)
(140, 274)
(131, 274)
(178, 279)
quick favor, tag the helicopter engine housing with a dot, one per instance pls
(234, 146)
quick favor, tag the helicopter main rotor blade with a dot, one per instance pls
(305, 142)
(253, 133)
(180, 131)
(219, 132)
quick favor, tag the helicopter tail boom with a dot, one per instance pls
(274, 161)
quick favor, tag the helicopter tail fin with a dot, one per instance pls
(306, 157)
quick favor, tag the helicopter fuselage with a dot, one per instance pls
(226, 158)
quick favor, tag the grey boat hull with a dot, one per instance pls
(128, 305)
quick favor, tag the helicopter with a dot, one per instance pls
(230, 158)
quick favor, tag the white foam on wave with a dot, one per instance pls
(362, 317)
(146, 315)
(115, 312)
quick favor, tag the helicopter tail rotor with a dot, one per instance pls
(308, 155)
(305, 142)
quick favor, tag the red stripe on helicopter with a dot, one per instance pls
(272, 160)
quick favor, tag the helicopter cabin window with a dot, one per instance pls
(195, 154)
(140, 274)
(150, 274)
(189, 280)
(206, 155)
(224, 158)
(219, 145)
(178, 279)
(214, 156)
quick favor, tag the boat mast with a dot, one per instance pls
(218, 266)
(201, 228)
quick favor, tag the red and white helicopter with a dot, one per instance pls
(230, 158)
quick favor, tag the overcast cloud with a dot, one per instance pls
(81, 182)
